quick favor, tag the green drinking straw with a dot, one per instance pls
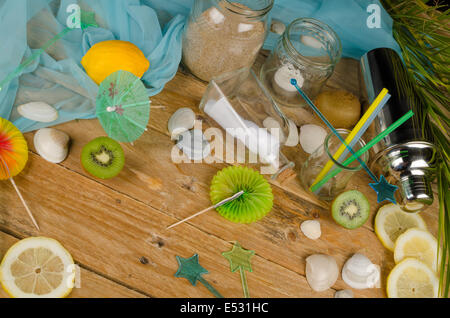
(361, 151)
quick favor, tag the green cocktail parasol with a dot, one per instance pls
(123, 106)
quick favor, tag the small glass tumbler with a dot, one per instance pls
(308, 51)
(321, 156)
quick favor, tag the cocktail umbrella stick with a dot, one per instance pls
(234, 197)
(20, 196)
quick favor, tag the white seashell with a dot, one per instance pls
(292, 139)
(346, 293)
(311, 229)
(38, 111)
(311, 41)
(183, 119)
(271, 124)
(359, 272)
(52, 144)
(277, 27)
(321, 272)
(312, 137)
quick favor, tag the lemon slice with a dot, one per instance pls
(412, 279)
(418, 244)
(37, 267)
(391, 222)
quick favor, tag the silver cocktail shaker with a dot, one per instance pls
(403, 157)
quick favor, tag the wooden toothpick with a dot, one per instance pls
(234, 197)
(24, 204)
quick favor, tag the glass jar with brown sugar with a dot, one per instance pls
(224, 35)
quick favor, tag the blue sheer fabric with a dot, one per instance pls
(155, 26)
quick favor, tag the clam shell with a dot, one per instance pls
(321, 271)
(346, 293)
(271, 123)
(311, 137)
(293, 138)
(38, 111)
(52, 144)
(183, 119)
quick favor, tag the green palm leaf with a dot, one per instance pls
(422, 32)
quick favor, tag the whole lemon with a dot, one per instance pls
(105, 58)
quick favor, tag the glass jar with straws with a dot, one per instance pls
(321, 156)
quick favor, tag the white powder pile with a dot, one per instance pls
(282, 79)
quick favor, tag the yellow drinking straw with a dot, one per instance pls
(352, 135)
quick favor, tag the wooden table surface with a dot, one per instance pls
(115, 229)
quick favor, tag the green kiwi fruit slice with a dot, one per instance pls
(251, 206)
(103, 158)
(350, 209)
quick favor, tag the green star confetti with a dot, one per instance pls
(190, 269)
(239, 259)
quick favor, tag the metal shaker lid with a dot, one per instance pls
(411, 166)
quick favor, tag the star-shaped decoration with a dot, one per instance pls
(384, 190)
(239, 258)
(190, 269)
(88, 19)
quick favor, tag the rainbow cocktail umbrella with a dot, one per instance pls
(13, 157)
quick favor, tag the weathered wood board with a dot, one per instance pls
(110, 226)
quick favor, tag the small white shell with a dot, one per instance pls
(311, 229)
(277, 27)
(271, 123)
(38, 111)
(292, 139)
(311, 41)
(359, 272)
(321, 271)
(312, 137)
(183, 119)
(194, 144)
(52, 144)
(346, 293)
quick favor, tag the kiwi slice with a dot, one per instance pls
(251, 206)
(103, 158)
(350, 209)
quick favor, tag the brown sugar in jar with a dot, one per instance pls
(223, 36)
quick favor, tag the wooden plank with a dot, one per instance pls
(179, 190)
(90, 284)
(109, 232)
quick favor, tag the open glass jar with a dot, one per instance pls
(240, 105)
(224, 35)
(308, 51)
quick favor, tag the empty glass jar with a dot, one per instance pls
(224, 35)
(308, 51)
(320, 157)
